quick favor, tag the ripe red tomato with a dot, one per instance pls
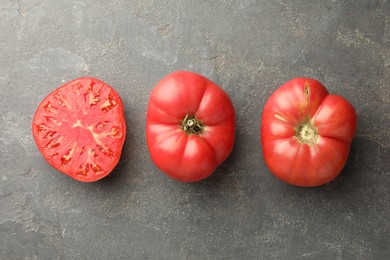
(306, 133)
(190, 126)
(80, 129)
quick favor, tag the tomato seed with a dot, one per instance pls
(51, 120)
(49, 135)
(50, 108)
(115, 132)
(42, 128)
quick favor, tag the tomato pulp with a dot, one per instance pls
(80, 129)
(306, 133)
(190, 126)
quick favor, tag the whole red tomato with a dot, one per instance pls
(80, 129)
(306, 133)
(190, 126)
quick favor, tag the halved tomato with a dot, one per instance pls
(80, 129)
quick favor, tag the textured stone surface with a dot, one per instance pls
(242, 212)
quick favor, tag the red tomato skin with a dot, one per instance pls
(334, 118)
(182, 156)
(115, 143)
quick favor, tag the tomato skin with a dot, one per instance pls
(80, 129)
(306, 133)
(189, 157)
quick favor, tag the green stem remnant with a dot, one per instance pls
(191, 125)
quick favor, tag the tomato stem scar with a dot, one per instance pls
(306, 133)
(191, 125)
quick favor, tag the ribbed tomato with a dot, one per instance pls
(80, 129)
(306, 133)
(190, 126)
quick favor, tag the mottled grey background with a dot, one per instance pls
(249, 48)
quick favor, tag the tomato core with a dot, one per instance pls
(306, 133)
(191, 125)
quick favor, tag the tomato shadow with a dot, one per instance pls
(345, 196)
(239, 173)
(224, 179)
(350, 174)
(116, 177)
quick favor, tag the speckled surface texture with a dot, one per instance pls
(249, 48)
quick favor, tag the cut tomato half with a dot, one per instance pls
(80, 129)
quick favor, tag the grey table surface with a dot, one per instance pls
(249, 48)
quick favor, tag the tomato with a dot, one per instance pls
(190, 126)
(80, 129)
(306, 133)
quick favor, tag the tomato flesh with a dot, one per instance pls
(190, 126)
(80, 129)
(306, 133)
